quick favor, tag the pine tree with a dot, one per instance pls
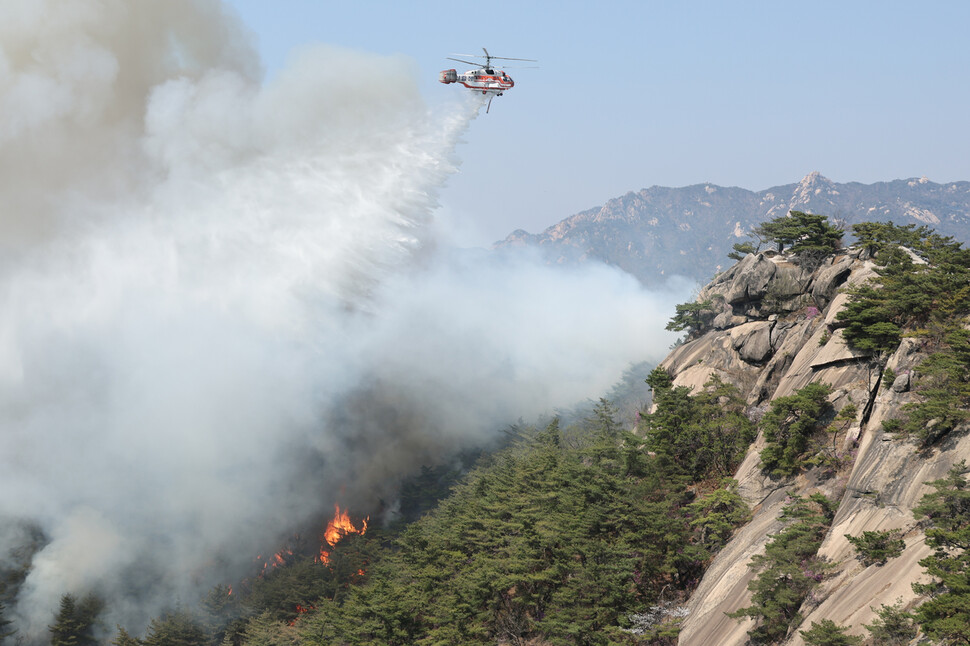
(828, 633)
(124, 638)
(66, 629)
(788, 570)
(893, 627)
(805, 234)
(5, 630)
(789, 424)
(178, 628)
(946, 615)
(76, 620)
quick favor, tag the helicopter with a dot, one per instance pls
(485, 79)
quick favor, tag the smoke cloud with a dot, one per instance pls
(225, 305)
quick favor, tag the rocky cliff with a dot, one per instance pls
(773, 331)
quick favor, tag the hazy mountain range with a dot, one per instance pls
(658, 232)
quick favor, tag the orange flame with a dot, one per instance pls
(338, 527)
(300, 610)
(276, 560)
(341, 525)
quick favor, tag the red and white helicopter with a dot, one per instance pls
(486, 79)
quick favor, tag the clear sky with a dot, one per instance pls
(635, 94)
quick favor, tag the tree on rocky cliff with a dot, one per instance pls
(691, 317)
(788, 570)
(875, 237)
(828, 633)
(804, 234)
(923, 291)
(946, 616)
(789, 425)
(703, 435)
(742, 249)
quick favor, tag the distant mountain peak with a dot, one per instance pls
(660, 231)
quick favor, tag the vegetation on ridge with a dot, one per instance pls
(946, 510)
(923, 292)
(789, 425)
(788, 570)
(808, 237)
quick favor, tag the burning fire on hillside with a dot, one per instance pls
(339, 526)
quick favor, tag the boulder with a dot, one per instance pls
(901, 383)
(752, 341)
(750, 281)
(788, 282)
(830, 278)
(726, 320)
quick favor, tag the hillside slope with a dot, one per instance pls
(658, 232)
(775, 332)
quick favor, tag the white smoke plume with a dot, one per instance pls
(224, 304)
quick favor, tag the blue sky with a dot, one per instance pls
(635, 94)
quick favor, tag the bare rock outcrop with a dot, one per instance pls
(771, 340)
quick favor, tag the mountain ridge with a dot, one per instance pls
(658, 232)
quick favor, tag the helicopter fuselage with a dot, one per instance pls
(484, 80)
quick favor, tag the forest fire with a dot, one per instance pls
(301, 610)
(275, 560)
(338, 527)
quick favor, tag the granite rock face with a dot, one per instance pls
(771, 340)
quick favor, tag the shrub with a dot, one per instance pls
(828, 633)
(888, 377)
(877, 547)
(789, 424)
(894, 627)
(691, 317)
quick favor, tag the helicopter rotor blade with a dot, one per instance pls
(476, 64)
(504, 58)
(499, 58)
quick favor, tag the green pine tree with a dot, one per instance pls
(76, 621)
(828, 633)
(178, 628)
(5, 629)
(946, 615)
